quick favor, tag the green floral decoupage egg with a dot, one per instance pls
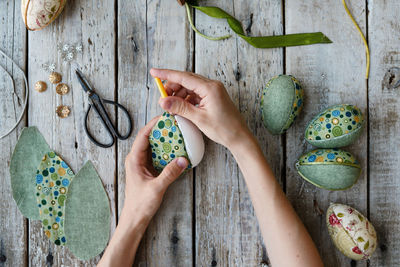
(351, 232)
(331, 169)
(173, 137)
(337, 126)
(281, 103)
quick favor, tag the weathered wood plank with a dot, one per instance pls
(330, 74)
(226, 227)
(13, 238)
(164, 42)
(91, 23)
(384, 155)
(132, 78)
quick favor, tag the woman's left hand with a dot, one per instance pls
(144, 187)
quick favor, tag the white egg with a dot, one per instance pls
(193, 140)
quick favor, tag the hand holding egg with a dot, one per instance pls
(207, 104)
(174, 136)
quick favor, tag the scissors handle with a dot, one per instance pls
(106, 121)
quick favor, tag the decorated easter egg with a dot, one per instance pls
(337, 126)
(175, 136)
(331, 169)
(351, 232)
(281, 103)
(37, 14)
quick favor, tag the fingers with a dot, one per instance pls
(172, 171)
(177, 105)
(189, 80)
(141, 142)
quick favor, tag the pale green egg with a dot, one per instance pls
(281, 103)
(331, 169)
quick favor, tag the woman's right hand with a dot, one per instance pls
(206, 103)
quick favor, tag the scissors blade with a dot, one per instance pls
(82, 80)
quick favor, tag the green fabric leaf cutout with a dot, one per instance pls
(360, 217)
(28, 153)
(340, 215)
(87, 214)
(366, 246)
(360, 239)
(262, 41)
(53, 178)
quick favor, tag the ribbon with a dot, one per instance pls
(258, 42)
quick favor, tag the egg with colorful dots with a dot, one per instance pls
(351, 232)
(330, 169)
(336, 126)
(281, 103)
(172, 137)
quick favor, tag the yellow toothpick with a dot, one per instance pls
(161, 87)
(362, 36)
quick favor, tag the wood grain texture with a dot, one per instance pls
(227, 231)
(165, 42)
(330, 74)
(91, 23)
(207, 216)
(384, 108)
(13, 226)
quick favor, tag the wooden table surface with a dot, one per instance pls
(207, 217)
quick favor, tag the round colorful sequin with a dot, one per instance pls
(331, 169)
(52, 172)
(281, 103)
(337, 126)
(166, 142)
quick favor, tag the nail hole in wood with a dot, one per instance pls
(49, 259)
(392, 78)
(3, 258)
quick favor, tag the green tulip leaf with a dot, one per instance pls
(261, 41)
(27, 155)
(87, 214)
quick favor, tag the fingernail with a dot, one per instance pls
(182, 162)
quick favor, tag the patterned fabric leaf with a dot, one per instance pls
(53, 178)
(360, 239)
(340, 215)
(25, 159)
(263, 41)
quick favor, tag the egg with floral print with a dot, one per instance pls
(336, 126)
(330, 169)
(37, 14)
(351, 232)
(281, 103)
(172, 137)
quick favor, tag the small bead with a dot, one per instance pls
(40, 86)
(62, 89)
(55, 77)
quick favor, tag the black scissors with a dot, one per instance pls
(98, 105)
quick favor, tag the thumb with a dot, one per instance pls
(172, 171)
(177, 105)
